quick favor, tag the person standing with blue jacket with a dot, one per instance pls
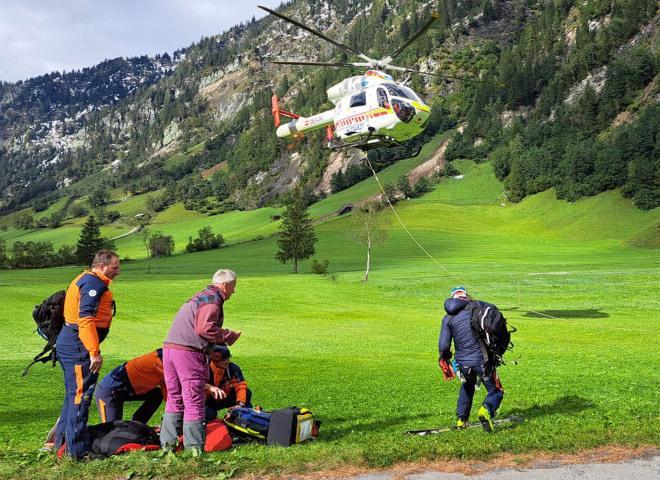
(88, 312)
(469, 358)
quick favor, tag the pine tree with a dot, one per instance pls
(298, 237)
(89, 242)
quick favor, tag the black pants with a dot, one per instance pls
(110, 403)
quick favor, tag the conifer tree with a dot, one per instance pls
(298, 237)
(89, 242)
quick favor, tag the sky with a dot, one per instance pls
(44, 36)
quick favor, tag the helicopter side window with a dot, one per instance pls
(382, 98)
(358, 100)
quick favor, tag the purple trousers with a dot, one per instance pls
(186, 372)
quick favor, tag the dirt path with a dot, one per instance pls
(607, 463)
(131, 232)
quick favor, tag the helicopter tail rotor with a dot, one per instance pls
(275, 108)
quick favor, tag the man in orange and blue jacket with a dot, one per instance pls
(226, 376)
(139, 379)
(88, 312)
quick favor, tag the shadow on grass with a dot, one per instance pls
(378, 426)
(563, 405)
(587, 313)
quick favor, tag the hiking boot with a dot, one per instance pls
(484, 418)
(461, 424)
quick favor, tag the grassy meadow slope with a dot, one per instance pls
(236, 227)
(363, 355)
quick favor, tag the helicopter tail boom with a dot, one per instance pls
(300, 125)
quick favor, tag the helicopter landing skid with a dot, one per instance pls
(377, 143)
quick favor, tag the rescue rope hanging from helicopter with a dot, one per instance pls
(472, 287)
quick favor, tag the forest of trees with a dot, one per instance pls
(561, 144)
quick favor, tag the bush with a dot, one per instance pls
(78, 210)
(206, 240)
(421, 187)
(647, 199)
(320, 268)
(451, 170)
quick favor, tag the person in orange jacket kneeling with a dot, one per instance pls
(139, 379)
(226, 377)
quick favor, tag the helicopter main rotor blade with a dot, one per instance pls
(319, 64)
(461, 79)
(318, 34)
(434, 18)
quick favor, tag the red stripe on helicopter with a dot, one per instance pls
(345, 122)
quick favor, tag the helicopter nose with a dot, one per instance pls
(405, 111)
(422, 115)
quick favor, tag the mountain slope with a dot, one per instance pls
(577, 80)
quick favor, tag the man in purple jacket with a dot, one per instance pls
(196, 329)
(469, 359)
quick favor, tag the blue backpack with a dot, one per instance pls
(248, 423)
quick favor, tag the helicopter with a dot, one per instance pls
(371, 111)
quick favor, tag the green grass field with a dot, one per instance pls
(363, 356)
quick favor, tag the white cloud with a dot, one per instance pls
(42, 36)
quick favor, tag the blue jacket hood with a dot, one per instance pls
(454, 305)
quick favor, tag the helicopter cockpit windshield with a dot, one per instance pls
(410, 94)
(403, 92)
(404, 110)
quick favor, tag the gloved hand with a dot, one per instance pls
(447, 369)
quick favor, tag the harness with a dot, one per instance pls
(482, 344)
(459, 372)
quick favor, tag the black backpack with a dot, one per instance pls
(49, 316)
(490, 328)
(115, 437)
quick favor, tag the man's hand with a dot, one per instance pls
(447, 369)
(96, 363)
(231, 339)
(216, 393)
